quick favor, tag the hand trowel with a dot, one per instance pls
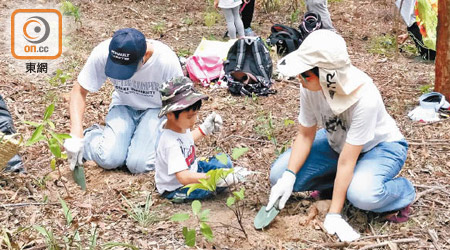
(264, 218)
(78, 176)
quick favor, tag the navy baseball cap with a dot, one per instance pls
(126, 50)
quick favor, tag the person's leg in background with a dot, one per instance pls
(108, 146)
(374, 186)
(238, 22)
(228, 13)
(7, 127)
(425, 53)
(247, 17)
(320, 7)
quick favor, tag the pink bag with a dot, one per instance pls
(204, 69)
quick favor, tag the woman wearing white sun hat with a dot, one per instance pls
(359, 150)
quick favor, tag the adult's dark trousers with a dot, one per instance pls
(247, 13)
(425, 53)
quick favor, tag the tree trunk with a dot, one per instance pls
(442, 83)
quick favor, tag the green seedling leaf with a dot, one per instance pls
(196, 207)
(51, 124)
(179, 217)
(189, 237)
(42, 231)
(194, 186)
(79, 177)
(53, 164)
(36, 136)
(222, 158)
(288, 122)
(93, 239)
(240, 195)
(66, 211)
(54, 147)
(238, 152)
(207, 184)
(231, 201)
(34, 124)
(206, 231)
(49, 111)
(204, 215)
(55, 137)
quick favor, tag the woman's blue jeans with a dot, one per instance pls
(180, 195)
(374, 186)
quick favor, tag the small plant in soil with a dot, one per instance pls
(144, 216)
(69, 9)
(201, 217)
(45, 131)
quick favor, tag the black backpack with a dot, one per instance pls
(287, 39)
(248, 68)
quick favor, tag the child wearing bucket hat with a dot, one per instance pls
(358, 152)
(176, 162)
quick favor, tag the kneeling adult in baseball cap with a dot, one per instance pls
(136, 67)
(358, 151)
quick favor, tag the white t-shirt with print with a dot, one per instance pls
(228, 4)
(175, 153)
(141, 91)
(365, 123)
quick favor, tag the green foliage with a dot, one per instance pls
(266, 127)
(59, 78)
(50, 240)
(427, 88)
(384, 45)
(294, 18)
(211, 18)
(210, 183)
(184, 52)
(188, 21)
(69, 9)
(13, 240)
(334, 1)
(143, 215)
(159, 28)
(271, 5)
(238, 152)
(201, 217)
(45, 131)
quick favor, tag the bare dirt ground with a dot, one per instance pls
(398, 76)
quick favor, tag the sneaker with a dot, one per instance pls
(399, 216)
(249, 32)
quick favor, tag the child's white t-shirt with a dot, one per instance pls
(175, 153)
(228, 4)
(141, 91)
(365, 123)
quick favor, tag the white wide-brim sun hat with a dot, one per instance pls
(341, 82)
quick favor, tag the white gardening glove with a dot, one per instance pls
(74, 148)
(229, 180)
(283, 188)
(334, 224)
(213, 123)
